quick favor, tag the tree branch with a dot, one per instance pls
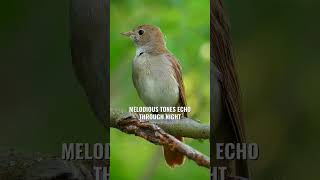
(150, 130)
(185, 127)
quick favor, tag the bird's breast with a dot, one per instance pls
(154, 80)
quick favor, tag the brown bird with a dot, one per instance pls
(157, 76)
(227, 115)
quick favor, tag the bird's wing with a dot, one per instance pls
(224, 61)
(222, 57)
(178, 76)
(231, 102)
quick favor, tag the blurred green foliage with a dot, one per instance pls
(186, 28)
(277, 50)
(41, 101)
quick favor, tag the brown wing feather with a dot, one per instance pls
(174, 158)
(222, 57)
(178, 75)
(224, 61)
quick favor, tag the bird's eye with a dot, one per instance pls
(141, 32)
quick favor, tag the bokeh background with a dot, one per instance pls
(186, 27)
(41, 101)
(277, 51)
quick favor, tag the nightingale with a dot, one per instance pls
(157, 76)
(227, 114)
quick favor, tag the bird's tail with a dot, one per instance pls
(173, 158)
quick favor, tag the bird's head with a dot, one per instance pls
(147, 36)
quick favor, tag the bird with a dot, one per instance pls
(157, 76)
(228, 125)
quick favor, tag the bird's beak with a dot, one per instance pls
(129, 33)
